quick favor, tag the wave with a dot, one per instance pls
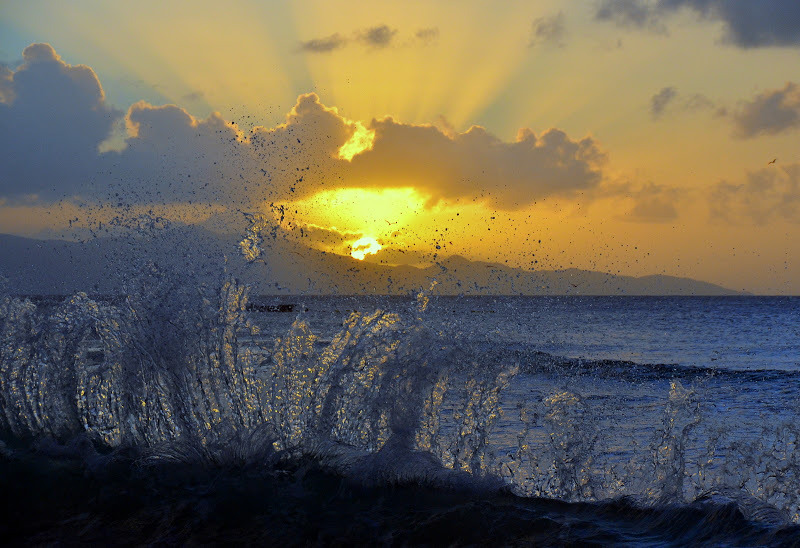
(180, 378)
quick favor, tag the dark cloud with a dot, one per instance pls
(300, 157)
(660, 100)
(748, 24)
(324, 45)
(6, 84)
(51, 129)
(377, 37)
(770, 194)
(475, 163)
(380, 36)
(548, 31)
(52, 118)
(769, 113)
(172, 156)
(427, 35)
(631, 13)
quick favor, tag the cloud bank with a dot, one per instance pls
(748, 24)
(53, 117)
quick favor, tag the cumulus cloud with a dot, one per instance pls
(769, 194)
(511, 174)
(769, 113)
(51, 129)
(548, 30)
(747, 24)
(52, 117)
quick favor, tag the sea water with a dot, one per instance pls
(407, 420)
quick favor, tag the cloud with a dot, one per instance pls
(51, 129)
(172, 156)
(653, 210)
(631, 13)
(476, 163)
(327, 237)
(6, 84)
(427, 35)
(747, 24)
(324, 45)
(750, 24)
(52, 118)
(766, 195)
(769, 113)
(649, 202)
(377, 37)
(698, 101)
(380, 36)
(548, 31)
(660, 100)
(668, 98)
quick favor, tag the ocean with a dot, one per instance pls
(207, 415)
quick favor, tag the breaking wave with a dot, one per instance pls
(136, 392)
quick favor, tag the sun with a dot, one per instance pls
(363, 247)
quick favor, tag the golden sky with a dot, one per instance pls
(633, 137)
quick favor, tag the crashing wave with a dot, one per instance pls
(183, 375)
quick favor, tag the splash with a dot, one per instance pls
(183, 374)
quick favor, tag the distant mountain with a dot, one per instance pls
(109, 265)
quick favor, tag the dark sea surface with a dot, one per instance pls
(197, 416)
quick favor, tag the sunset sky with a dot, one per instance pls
(628, 136)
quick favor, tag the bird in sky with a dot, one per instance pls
(772, 161)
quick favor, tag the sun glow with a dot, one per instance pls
(361, 140)
(368, 211)
(363, 247)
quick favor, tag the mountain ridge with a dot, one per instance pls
(106, 265)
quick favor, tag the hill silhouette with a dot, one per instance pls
(106, 265)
